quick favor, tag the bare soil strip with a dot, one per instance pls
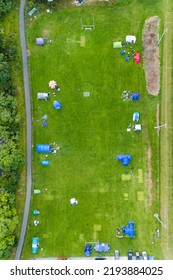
(151, 54)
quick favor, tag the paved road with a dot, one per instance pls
(28, 133)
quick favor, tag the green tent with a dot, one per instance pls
(117, 45)
(35, 212)
(36, 191)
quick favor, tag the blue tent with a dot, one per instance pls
(125, 159)
(45, 162)
(87, 250)
(43, 148)
(127, 58)
(135, 96)
(57, 105)
(129, 230)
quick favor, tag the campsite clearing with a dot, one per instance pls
(90, 131)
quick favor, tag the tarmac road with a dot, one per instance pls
(28, 130)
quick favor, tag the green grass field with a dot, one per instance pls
(91, 131)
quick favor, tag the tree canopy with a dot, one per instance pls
(8, 222)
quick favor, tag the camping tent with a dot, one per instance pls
(136, 116)
(43, 148)
(101, 247)
(42, 96)
(45, 162)
(87, 250)
(35, 244)
(129, 230)
(137, 58)
(40, 41)
(117, 45)
(57, 105)
(125, 159)
(130, 39)
(134, 96)
(35, 212)
(37, 191)
(137, 127)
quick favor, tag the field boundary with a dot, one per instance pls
(166, 135)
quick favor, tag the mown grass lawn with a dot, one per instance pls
(91, 131)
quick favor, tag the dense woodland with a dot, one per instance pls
(10, 155)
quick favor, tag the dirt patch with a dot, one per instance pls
(151, 54)
(46, 32)
(28, 53)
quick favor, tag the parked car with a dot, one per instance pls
(137, 256)
(144, 255)
(117, 255)
(100, 259)
(130, 254)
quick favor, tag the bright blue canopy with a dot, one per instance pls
(43, 148)
(129, 230)
(125, 159)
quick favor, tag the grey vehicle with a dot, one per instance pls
(130, 255)
(144, 255)
(137, 256)
(117, 255)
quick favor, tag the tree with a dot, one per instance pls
(5, 6)
(5, 76)
(10, 157)
(8, 222)
(8, 110)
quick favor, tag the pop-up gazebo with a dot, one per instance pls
(52, 84)
(130, 39)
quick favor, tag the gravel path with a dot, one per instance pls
(28, 133)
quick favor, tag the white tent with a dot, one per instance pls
(137, 127)
(130, 39)
(42, 95)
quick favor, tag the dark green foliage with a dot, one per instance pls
(10, 155)
(8, 222)
(5, 6)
